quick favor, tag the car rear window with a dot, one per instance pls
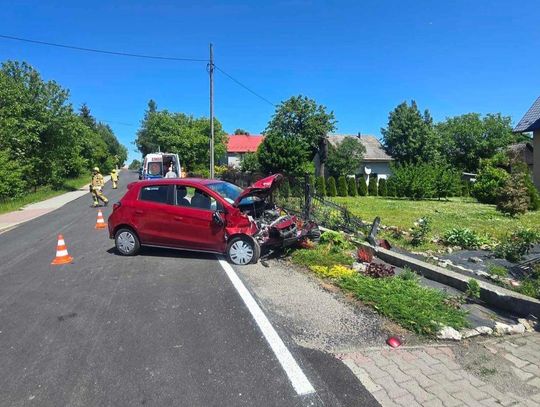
(155, 193)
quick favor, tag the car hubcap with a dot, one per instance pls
(126, 242)
(241, 252)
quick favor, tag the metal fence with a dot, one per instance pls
(297, 195)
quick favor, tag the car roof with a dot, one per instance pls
(179, 181)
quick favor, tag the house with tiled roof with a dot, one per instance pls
(240, 144)
(531, 123)
(376, 162)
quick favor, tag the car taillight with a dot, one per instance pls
(116, 206)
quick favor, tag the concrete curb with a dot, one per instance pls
(491, 294)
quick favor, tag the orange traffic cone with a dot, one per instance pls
(62, 256)
(100, 224)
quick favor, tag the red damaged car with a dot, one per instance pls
(205, 215)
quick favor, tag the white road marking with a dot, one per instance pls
(297, 377)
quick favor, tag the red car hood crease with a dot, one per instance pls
(261, 188)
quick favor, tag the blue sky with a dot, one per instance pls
(359, 58)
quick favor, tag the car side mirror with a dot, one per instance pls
(217, 218)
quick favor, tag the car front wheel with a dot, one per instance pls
(126, 241)
(243, 250)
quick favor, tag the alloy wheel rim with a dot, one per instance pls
(241, 252)
(126, 242)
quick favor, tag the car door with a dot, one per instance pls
(150, 213)
(192, 220)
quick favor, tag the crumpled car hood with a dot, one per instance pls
(261, 189)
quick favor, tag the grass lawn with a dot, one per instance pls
(445, 215)
(43, 193)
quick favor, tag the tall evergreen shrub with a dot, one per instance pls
(351, 186)
(372, 188)
(342, 186)
(362, 186)
(331, 187)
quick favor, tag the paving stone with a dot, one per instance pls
(515, 360)
(418, 392)
(374, 372)
(534, 382)
(396, 374)
(393, 389)
(522, 374)
(434, 403)
(443, 395)
(534, 369)
(383, 399)
(424, 380)
(407, 400)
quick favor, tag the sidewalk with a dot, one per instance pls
(11, 219)
(503, 371)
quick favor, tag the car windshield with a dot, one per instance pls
(229, 192)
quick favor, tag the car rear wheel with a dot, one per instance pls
(243, 250)
(126, 241)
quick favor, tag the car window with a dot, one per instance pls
(155, 193)
(196, 198)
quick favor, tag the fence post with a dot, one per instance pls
(307, 197)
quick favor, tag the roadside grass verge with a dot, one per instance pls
(400, 298)
(44, 192)
(420, 309)
(483, 219)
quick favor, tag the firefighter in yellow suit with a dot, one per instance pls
(95, 188)
(114, 179)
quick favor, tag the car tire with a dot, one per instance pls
(243, 250)
(127, 242)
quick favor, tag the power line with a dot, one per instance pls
(244, 86)
(100, 51)
(145, 56)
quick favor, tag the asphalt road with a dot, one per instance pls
(160, 329)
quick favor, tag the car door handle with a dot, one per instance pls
(138, 212)
(178, 218)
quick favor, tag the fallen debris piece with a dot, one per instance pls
(449, 333)
(475, 260)
(469, 333)
(484, 330)
(526, 324)
(393, 341)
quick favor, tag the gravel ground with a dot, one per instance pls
(315, 315)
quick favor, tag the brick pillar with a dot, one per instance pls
(536, 158)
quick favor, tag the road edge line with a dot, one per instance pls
(298, 379)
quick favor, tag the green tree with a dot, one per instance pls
(468, 138)
(320, 186)
(342, 186)
(513, 197)
(490, 179)
(241, 132)
(346, 157)
(409, 136)
(331, 189)
(351, 186)
(372, 187)
(362, 186)
(301, 125)
(250, 163)
(135, 165)
(383, 190)
(184, 135)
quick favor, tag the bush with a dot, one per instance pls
(420, 181)
(420, 231)
(463, 237)
(391, 188)
(515, 246)
(322, 255)
(335, 240)
(473, 289)
(336, 271)
(466, 188)
(513, 198)
(534, 196)
(362, 186)
(383, 190)
(497, 271)
(351, 186)
(405, 301)
(331, 187)
(285, 189)
(320, 186)
(250, 163)
(342, 186)
(372, 187)
(378, 270)
(12, 181)
(488, 183)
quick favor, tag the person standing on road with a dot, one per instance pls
(114, 179)
(171, 173)
(96, 186)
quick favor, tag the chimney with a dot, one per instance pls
(359, 134)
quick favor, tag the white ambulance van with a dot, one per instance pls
(156, 165)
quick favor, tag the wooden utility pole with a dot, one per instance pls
(211, 72)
